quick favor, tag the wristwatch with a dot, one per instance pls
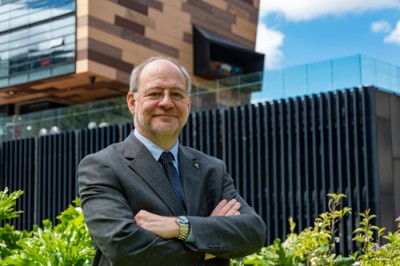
(184, 227)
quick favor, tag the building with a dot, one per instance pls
(66, 52)
(320, 87)
(329, 75)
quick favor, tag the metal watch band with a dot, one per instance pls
(184, 227)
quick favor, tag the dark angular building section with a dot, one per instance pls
(216, 57)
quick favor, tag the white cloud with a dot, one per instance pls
(268, 42)
(394, 36)
(381, 26)
(310, 9)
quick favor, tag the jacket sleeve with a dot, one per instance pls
(111, 224)
(229, 236)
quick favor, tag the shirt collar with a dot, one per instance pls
(154, 149)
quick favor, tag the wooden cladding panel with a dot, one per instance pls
(153, 28)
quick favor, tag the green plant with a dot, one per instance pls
(68, 243)
(7, 203)
(8, 235)
(313, 246)
(372, 252)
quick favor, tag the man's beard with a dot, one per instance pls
(156, 129)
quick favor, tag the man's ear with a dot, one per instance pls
(130, 100)
(189, 102)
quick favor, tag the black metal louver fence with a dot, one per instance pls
(285, 157)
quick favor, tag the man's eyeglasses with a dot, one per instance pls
(158, 94)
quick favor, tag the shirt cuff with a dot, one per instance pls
(191, 238)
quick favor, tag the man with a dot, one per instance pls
(142, 209)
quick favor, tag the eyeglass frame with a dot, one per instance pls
(154, 94)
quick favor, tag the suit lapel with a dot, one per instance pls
(191, 174)
(147, 168)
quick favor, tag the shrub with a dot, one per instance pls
(372, 253)
(8, 236)
(315, 245)
(68, 243)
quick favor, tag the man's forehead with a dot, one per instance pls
(161, 69)
(160, 65)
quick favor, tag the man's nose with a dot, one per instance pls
(166, 99)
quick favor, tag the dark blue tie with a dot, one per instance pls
(166, 159)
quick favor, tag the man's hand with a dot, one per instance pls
(227, 208)
(163, 226)
(166, 227)
(224, 208)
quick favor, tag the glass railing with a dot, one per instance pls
(223, 93)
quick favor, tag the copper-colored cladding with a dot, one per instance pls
(115, 35)
(70, 89)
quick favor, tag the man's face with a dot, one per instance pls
(161, 104)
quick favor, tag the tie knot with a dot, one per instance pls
(166, 157)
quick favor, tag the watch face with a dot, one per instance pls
(182, 220)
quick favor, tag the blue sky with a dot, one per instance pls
(293, 32)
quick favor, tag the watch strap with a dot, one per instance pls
(183, 232)
(184, 227)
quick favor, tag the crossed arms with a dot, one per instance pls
(129, 223)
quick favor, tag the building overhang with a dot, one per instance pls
(217, 57)
(59, 91)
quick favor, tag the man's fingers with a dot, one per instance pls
(227, 208)
(234, 208)
(218, 208)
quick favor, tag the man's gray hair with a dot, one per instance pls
(135, 75)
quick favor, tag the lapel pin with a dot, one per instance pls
(197, 165)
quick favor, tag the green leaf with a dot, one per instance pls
(7, 203)
(343, 261)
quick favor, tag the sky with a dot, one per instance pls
(294, 32)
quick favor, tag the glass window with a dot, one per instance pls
(274, 84)
(346, 72)
(39, 15)
(368, 76)
(4, 82)
(63, 69)
(39, 74)
(18, 79)
(59, 32)
(4, 68)
(4, 9)
(295, 81)
(394, 86)
(320, 77)
(18, 17)
(368, 71)
(3, 50)
(4, 25)
(62, 9)
(33, 51)
(17, 35)
(68, 21)
(4, 14)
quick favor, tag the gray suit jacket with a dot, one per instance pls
(124, 178)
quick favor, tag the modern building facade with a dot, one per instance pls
(37, 42)
(67, 52)
(329, 75)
